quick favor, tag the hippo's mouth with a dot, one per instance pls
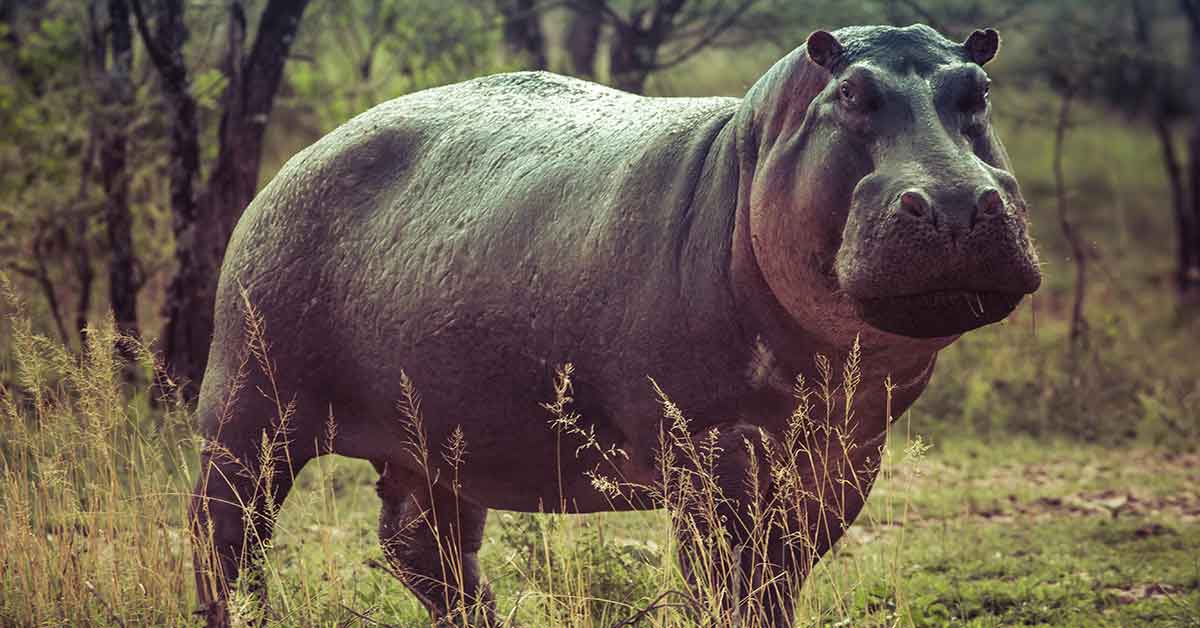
(937, 314)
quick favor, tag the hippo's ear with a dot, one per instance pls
(982, 45)
(777, 104)
(823, 48)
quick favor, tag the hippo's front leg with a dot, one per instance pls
(829, 475)
(754, 513)
(718, 487)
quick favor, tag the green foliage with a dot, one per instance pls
(597, 559)
(367, 52)
(38, 118)
(1021, 378)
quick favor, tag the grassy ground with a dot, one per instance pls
(959, 531)
(986, 534)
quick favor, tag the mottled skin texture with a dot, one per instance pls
(479, 235)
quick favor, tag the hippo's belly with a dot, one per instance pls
(493, 388)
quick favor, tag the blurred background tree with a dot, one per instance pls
(134, 132)
(204, 219)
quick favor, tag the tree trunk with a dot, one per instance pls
(627, 62)
(203, 223)
(85, 276)
(583, 37)
(43, 247)
(81, 254)
(114, 173)
(383, 24)
(1189, 278)
(1183, 218)
(1078, 323)
(636, 44)
(166, 51)
(1184, 227)
(201, 237)
(523, 31)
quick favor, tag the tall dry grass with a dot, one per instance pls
(95, 480)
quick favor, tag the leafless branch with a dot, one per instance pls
(722, 26)
(654, 605)
(40, 274)
(926, 16)
(1078, 252)
(1191, 9)
(596, 6)
(161, 60)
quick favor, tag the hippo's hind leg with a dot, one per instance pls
(431, 539)
(245, 475)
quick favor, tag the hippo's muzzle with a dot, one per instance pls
(939, 260)
(937, 314)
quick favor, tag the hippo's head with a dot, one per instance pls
(880, 181)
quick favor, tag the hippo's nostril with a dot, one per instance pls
(916, 204)
(990, 203)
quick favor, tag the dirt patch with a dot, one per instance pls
(1111, 483)
(1184, 507)
(1139, 592)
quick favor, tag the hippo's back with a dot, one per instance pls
(516, 210)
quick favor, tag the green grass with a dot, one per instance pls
(1019, 531)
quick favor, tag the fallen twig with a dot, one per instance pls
(366, 618)
(654, 605)
(111, 613)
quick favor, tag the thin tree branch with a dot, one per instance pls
(924, 14)
(365, 617)
(596, 6)
(1191, 10)
(704, 41)
(160, 58)
(654, 605)
(1078, 322)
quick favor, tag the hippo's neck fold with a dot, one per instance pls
(765, 322)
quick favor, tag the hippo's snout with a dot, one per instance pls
(955, 221)
(924, 261)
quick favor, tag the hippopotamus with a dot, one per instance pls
(466, 242)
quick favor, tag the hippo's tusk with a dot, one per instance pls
(973, 299)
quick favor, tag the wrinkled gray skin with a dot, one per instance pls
(479, 235)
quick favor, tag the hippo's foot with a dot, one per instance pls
(431, 539)
(233, 517)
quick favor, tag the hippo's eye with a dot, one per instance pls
(846, 92)
(976, 99)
